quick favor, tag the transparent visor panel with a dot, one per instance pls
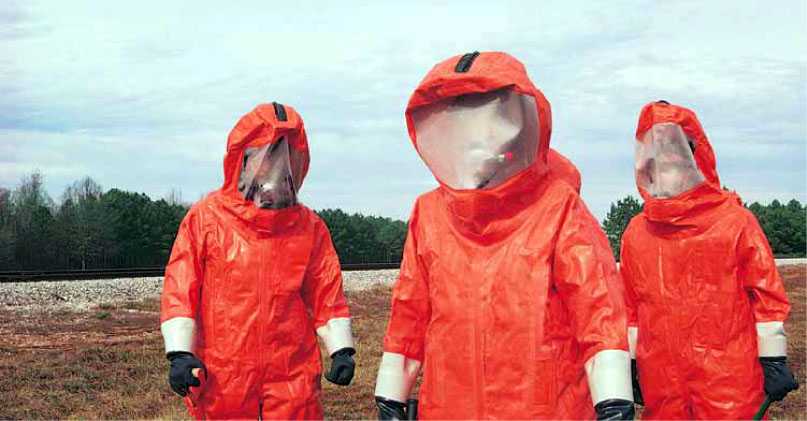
(266, 176)
(665, 165)
(478, 141)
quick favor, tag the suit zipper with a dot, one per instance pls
(261, 285)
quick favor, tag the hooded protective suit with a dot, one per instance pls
(704, 297)
(508, 295)
(247, 288)
(561, 168)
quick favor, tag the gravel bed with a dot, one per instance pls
(365, 279)
(86, 294)
(788, 262)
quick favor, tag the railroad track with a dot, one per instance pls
(65, 275)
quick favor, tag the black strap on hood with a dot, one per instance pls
(465, 62)
(280, 112)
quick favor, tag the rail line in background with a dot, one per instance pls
(77, 275)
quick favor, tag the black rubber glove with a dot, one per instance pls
(779, 380)
(389, 410)
(180, 376)
(637, 388)
(342, 367)
(615, 409)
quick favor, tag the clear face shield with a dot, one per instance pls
(266, 176)
(665, 165)
(478, 141)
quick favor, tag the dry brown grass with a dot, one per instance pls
(795, 406)
(79, 365)
(108, 363)
(87, 365)
(370, 311)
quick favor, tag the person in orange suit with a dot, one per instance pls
(706, 304)
(252, 280)
(508, 296)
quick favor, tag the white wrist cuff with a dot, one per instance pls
(633, 334)
(772, 339)
(609, 376)
(336, 334)
(396, 375)
(178, 334)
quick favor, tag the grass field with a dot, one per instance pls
(108, 362)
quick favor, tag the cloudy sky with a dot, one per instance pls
(141, 95)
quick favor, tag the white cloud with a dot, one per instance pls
(142, 95)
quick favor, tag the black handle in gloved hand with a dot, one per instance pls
(412, 409)
(637, 388)
(779, 380)
(180, 375)
(763, 409)
(615, 409)
(390, 410)
(342, 367)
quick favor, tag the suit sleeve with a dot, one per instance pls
(627, 277)
(179, 304)
(586, 278)
(761, 280)
(409, 318)
(323, 294)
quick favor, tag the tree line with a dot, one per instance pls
(87, 229)
(90, 228)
